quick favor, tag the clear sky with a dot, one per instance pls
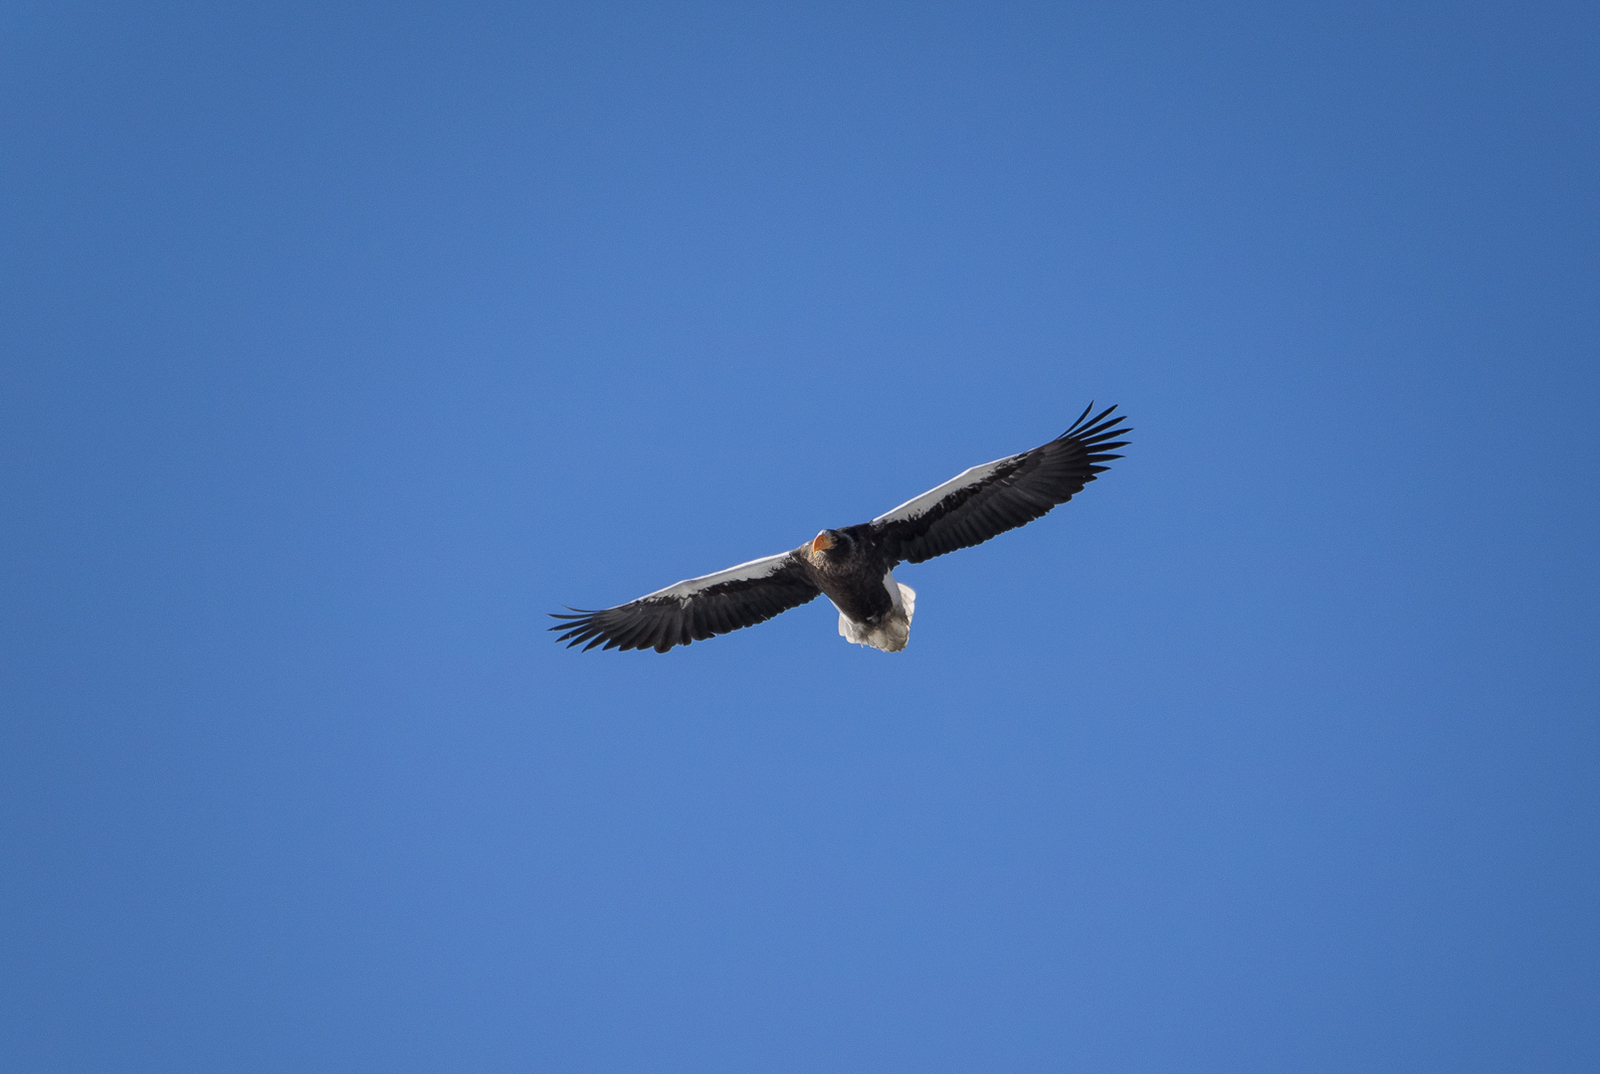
(340, 343)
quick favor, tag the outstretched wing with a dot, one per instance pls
(694, 609)
(987, 500)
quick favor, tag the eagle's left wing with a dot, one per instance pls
(987, 500)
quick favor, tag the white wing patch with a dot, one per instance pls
(744, 572)
(924, 503)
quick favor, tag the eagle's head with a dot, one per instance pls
(827, 541)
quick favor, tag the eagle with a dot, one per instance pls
(854, 566)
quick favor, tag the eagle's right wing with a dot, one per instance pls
(694, 609)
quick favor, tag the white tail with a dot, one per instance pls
(892, 632)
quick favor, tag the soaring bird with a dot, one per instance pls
(855, 565)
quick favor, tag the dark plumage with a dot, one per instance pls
(854, 565)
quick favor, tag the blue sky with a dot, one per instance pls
(340, 344)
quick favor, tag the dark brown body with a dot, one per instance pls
(851, 573)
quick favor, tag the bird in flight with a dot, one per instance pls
(855, 565)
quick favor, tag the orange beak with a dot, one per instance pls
(821, 543)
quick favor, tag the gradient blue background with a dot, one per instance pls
(339, 344)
